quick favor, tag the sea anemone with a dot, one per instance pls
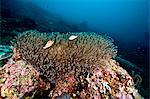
(82, 54)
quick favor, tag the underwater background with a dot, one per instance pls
(126, 21)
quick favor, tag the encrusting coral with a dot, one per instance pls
(18, 79)
(80, 65)
(103, 83)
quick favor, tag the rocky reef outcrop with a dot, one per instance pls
(80, 65)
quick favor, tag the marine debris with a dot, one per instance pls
(82, 69)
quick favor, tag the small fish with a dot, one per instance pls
(48, 44)
(72, 37)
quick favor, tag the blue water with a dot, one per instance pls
(126, 20)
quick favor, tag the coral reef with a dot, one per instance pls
(79, 65)
(104, 83)
(82, 54)
(5, 53)
(18, 79)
